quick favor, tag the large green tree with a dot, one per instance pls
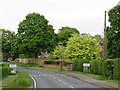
(82, 47)
(35, 35)
(113, 33)
(7, 38)
(65, 33)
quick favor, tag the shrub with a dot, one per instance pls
(116, 70)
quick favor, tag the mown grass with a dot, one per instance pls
(20, 80)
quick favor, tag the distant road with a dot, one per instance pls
(48, 79)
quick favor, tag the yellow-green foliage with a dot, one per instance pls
(83, 47)
(58, 52)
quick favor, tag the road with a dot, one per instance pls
(48, 79)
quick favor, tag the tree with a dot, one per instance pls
(58, 52)
(99, 39)
(65, 33)
(35, 36)
(113, 33)
(7, 42)
(82, 47)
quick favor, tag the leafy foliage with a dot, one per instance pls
(35, 36)
(65, 33)
(78, 64)
(117, 69)
(83, 47)
(7, 42)
(99, 39)
(113, 33)
(59, 52)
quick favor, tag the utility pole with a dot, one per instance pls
(105, 40)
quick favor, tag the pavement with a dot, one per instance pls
(102, 83)
(54, 80)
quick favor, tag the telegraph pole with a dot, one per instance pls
(105, 43)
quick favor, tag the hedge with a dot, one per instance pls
(94, 66)
(106, 67)
(5, 72)
(78, 64)
(116, 70)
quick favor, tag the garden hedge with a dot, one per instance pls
(78, 64)
(116, 74)
(106, 67)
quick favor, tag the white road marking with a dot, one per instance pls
(59, 80)
(64, 83)
(71, 86)
(33, 81)
(54, 77)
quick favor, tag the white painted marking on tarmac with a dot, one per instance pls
(33, 81)
(54, 77)
(71, 86)
(64, 83)
(59, 80)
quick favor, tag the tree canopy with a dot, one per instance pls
(65, 33)
(7, 43)
(99, 39)
(82, 47)
(113, 33)
(35, 35)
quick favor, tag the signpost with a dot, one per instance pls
(86, 66)
(13, 67)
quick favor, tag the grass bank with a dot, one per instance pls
(20, 80)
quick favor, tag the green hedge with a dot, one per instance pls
(94, 66)
(116, 70)
(106, 67)
(78, 64)
(5, 72)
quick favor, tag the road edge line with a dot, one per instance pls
(34, 82)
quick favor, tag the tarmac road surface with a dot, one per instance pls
(48, 79)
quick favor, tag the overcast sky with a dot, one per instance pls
(85, 15)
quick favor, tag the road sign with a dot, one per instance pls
(86, 64)
(13, 65)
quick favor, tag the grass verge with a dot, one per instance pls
(98, 77)
(20, 80)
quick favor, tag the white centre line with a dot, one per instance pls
(54, 77)
(59, 80)
(71, 86)
(64, 83)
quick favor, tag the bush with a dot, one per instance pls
(116, 70)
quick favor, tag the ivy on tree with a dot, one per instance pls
(35, 36)
(113, 33)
